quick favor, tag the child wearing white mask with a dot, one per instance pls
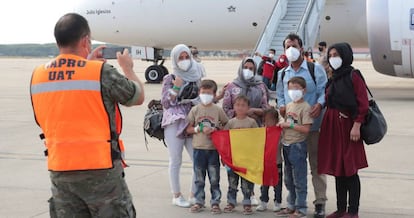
(204, 119)
(251, 86)
(295, 129)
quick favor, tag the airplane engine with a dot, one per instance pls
(391, 46)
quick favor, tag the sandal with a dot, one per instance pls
(247, 210)
(196, 208)
(285, 212)
(215, 209)
(229, 208)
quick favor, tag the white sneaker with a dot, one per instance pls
(180, 201)
(262, 206)
(277, 207)
(192, 200)
(253, 201)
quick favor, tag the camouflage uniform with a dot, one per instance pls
(97, 193)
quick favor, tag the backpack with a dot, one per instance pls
(152, 121)
(311, 67)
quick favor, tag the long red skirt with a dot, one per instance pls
(337, 154)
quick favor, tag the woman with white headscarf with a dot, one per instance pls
(179, 92)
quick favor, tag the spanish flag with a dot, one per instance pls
(250, 152)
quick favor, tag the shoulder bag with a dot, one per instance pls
(374, 128)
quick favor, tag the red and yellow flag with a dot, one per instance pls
(250, 152)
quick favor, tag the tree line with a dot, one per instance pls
(51, 50)
(29, 50)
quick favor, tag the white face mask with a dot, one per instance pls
(247, 74)
(271, 55)
(295, 95)
(184, 64)
(292, 54)
(206, 98)
(336, 62)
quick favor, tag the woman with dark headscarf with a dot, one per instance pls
(179, 92)
(341, 150)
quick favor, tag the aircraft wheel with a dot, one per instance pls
(164, 69)
(154, 74)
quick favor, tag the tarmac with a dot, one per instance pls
(386, 185)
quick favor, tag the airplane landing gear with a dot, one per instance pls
(155, 73)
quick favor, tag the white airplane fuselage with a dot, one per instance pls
(224, 24)
(385, 26)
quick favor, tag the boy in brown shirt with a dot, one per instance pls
(295, 129)
(204, 119)
(241, 120)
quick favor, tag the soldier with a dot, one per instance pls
(76, 104)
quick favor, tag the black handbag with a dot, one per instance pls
(374, 128)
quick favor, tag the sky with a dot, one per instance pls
(31, 21)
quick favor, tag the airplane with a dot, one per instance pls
(385, 26)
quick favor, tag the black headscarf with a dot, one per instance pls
(340, 90)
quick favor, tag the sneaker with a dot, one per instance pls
(319, 211)
(180, 201)
(253, 201)
(277, 207)
(284, 213)
(192, 200)
(262, 206)
(337, 214)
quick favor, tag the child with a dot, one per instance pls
(203, 119)
(241, 120)
(295, 129)
(271, 118)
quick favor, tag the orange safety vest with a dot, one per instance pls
(68, 106)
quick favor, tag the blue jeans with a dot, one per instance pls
(207, 161)
(296, 175)
(246, 187)
(267, 81)
(264, 196)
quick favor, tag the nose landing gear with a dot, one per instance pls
(155, 73)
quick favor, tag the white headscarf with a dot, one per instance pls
(194, 73)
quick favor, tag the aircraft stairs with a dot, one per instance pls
(291, 16)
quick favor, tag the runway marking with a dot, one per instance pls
(130, 161)
(139, 162)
